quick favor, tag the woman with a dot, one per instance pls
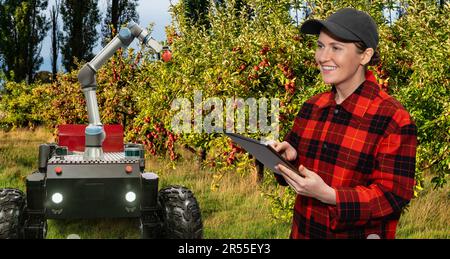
(354, 146)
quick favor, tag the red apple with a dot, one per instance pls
(166, 56)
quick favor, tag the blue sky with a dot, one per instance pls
(150, 11)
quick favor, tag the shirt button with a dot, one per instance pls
(324, 146)
(336, 111)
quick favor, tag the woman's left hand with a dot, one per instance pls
(308, 183)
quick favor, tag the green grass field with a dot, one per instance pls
(235, 210)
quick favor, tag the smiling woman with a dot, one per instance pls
(354, 146)
(339, 64)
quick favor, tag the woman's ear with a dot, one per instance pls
(366, 56)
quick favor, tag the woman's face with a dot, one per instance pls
(339, 62)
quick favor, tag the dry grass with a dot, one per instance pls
(235, 209)
(428, 216)
(38, 135)
(18, 154)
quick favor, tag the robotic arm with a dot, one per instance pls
(94, 132)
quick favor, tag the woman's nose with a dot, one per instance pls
(323, 55)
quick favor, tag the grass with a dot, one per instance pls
(428, 216)
(235, 210)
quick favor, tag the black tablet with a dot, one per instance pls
(263, 152)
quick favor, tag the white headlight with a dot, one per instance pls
(130, 196)
(57, 198)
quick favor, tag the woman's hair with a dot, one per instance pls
(375, 57)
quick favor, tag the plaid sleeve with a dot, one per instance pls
(292, 138)
(280, 179)
(392, 183)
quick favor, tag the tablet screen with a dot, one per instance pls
(262, 152)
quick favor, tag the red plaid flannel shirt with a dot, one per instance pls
(365, 149)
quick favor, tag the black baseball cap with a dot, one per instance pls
(347, 24)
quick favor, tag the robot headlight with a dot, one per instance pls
(57, 198)
(130, 196)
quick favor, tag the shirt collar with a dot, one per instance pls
(359, 101)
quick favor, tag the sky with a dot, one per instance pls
(150, 11)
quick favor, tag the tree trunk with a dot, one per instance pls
(259, 171)
(202, 154)
(190, 149)
(30, 43)
(54, 17)
(114, 17)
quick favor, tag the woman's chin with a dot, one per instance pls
(327, 80)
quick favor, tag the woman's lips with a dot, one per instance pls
(327, 69)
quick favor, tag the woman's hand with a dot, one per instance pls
(308, 183)
(285, 150)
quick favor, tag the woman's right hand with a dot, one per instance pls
(285, 150)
